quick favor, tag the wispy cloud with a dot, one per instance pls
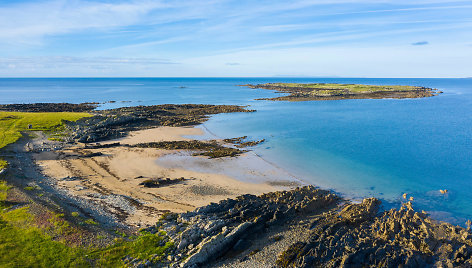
(150, 43)
(29, 22)
(137, 34)
(32, 21)
(421, 43)
(85, 67)
(66, 62)
(407, 9)
(381, 21)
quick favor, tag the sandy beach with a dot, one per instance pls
(111, 177)
(207, 201)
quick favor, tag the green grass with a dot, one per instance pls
(3, 164)
(29, 247)
(145, 246)
(30, 188)
(24, 244)
(3, 192)
(354, 88)
(91, 222)
(325, 92)
(12, 123)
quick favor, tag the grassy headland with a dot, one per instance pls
(29, 240)
(330, 91)
(23, 242)
(33, 234)
(302, 227)
(44, 240)
(13, 123)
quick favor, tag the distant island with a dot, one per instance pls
(328, 91)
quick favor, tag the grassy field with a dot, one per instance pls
(13, 123)
(25, 244)
(3, 164)
(29, 241)
(331, 91)
(354, 88)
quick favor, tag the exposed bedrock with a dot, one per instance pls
(116, 123)
(349, 235)
(49, 107)
(209, 232)
(359, 236)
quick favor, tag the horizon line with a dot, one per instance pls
(281, 77)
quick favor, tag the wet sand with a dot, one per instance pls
(112, 180)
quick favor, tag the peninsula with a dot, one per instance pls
(86, 187)
(328, 91)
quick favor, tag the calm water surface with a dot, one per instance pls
(359, 148)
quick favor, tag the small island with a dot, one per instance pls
(329, 91)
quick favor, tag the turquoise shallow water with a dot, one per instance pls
(357, 147)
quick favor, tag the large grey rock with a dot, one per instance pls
(216, 246)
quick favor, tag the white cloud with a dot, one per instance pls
(136, 34)
(82, 60)
(381, 21)
(79, 66)
(29, 22)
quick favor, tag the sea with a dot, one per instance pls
(357, 148)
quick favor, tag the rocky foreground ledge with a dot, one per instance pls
(329, 91)
(233, 233)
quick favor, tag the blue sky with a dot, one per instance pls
(371, 38)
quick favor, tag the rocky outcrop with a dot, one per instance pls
(161, 182)
(117, 123)
(322, 91)
(210, 148)
(49, 107)
(241, 143)
(359, 236)
(216, 244)
(207, 233)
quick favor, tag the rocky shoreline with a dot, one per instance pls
(322, 91)
(302, 227)
(49, 107)
(116, 123)
(337, 234)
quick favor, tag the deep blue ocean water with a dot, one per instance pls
(359, 148)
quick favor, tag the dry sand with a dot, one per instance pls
(112, 180)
